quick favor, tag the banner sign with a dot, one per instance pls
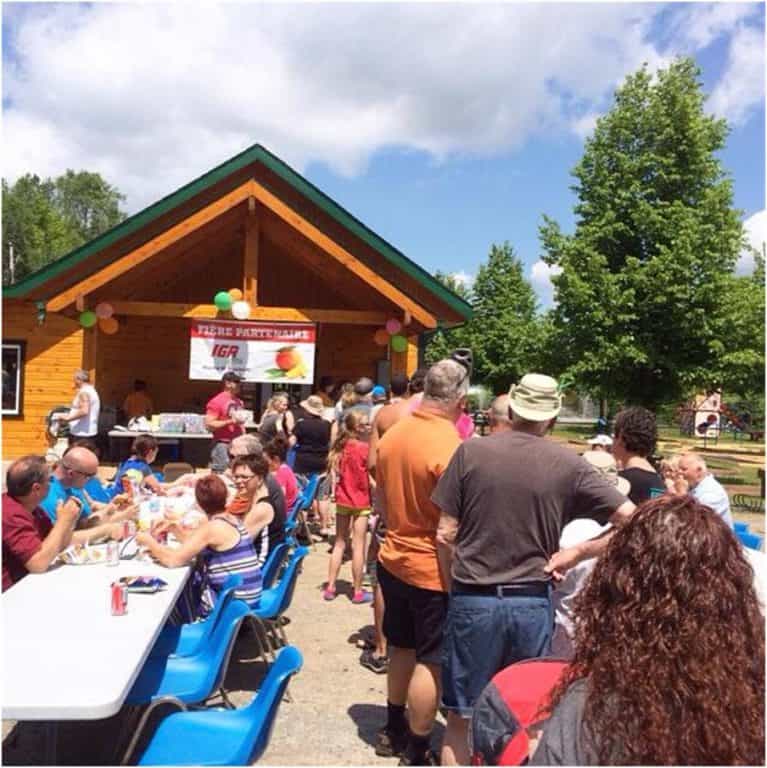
(265, 352)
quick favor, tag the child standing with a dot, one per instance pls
(347, 463)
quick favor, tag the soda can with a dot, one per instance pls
(119, 599)
(113, 552)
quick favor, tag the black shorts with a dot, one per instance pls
(414, 617)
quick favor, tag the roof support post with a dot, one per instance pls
(250, 255)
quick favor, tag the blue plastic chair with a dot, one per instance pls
(275, 601)
(187, 639)
(183, 680)
(220, 736)
(190, 679)
(296, 517)
(274, 562)
(750, 540)
(741, 527)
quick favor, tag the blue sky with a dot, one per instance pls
(444, 128)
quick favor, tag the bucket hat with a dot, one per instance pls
(536, 397)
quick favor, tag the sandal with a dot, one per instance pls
(328, 594)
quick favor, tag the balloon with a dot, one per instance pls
(241, 310)
(108, 325)
(381, 337)
(399, 343)
(104, 310)
(393, 326)
(223, 301)
(235, 293)
(88, 318)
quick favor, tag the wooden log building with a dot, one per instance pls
(253, 223)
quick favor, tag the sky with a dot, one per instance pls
(444, 127)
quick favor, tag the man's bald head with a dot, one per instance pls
(692, 466)
(77, 466)
(499, 414)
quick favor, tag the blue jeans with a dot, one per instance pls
(483, 635)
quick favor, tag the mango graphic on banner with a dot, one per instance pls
(289, 364)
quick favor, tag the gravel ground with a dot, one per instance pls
(337, 706)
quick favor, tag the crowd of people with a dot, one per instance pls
(479, 552)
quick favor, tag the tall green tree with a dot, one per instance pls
(642, 296)
(504, 333)
(88, 202)
(33, 229)
(43, 219)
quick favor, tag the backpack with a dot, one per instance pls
(508, 706)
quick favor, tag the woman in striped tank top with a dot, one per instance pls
(224, 547)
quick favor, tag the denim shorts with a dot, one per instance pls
(483, 635)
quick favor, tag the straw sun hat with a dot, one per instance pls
(535, 398)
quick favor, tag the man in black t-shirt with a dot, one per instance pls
(504, 501)
(636, 434)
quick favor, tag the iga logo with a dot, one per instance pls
(225, 350)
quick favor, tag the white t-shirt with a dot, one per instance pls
(575, 532)
(758, 561)
(88, 425)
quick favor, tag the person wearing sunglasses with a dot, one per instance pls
(76, 468)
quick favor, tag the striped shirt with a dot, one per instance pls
(243, 559)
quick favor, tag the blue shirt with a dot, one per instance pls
(57, 492)
(710, 492)
(135, 469)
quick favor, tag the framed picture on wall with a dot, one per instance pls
(13, 377)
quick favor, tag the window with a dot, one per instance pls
(13, 377)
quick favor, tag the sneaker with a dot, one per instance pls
(362, 598)
(377, 664)
(328, 594)
(390, 744)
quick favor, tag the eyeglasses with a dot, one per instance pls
(243, 478)
(79, 471)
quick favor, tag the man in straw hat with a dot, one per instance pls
(504, 501)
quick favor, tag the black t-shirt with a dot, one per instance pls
(642, 482)
(277, 500)
(512, 494)
(312, 435)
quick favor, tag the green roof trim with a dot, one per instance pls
(256, 153)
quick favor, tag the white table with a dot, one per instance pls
(65, 657)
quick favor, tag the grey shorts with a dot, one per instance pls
(219, 457)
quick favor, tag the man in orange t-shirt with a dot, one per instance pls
(411, 457)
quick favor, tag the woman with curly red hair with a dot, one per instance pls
(669, 650)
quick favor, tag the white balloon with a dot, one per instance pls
(241, 310)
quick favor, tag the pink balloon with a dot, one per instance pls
(393, 326)
(104, 310)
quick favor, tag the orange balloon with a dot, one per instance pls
(381, 337)
(108, 325)
(236, 294)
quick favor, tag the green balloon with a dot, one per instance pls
(223, 301)
(399, 343)
(88, 319)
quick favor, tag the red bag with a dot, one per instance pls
(508, 706)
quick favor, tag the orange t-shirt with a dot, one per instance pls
(412, 455)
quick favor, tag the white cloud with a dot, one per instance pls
(152, 95)
(755, 228)
(540, 278)
(698, 26)
(584, 125)
(464, 278)
(741, 88)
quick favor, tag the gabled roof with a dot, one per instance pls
(256, 153)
